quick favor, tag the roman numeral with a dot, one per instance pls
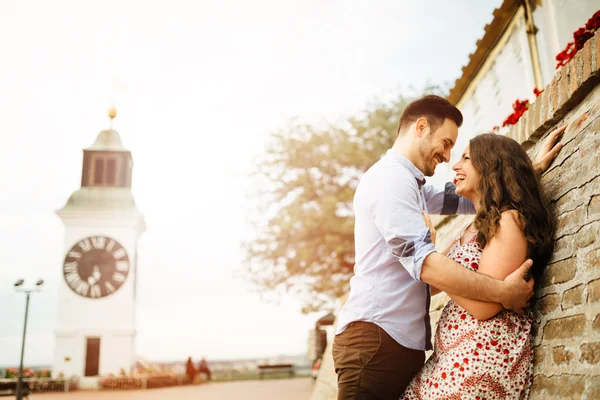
(71, 267)
(82, 288)
(74, 254)
(109, 287)
(98, 242)
(85, 245)
(118, 277)
(122, 266)
(110, 245)
(119, 254)
(95, 291)
(73, 278)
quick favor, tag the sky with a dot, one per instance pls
(198, 85)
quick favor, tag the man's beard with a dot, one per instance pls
(425, 153)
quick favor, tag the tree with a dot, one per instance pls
(306, 179)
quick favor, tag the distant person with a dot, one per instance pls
(482, 350)
(203, 368)
(383, 329)
(190, 370)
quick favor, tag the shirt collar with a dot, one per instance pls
(420, 178)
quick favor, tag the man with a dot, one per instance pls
(383, 329)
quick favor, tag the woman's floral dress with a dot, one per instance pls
(474, 359)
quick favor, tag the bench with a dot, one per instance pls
(275, 368)
(9, 388)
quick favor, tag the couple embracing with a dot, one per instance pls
(483, 344)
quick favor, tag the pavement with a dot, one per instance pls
(274, 389)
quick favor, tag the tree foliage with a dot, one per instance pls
(306, 180)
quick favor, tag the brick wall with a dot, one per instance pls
(567, 310)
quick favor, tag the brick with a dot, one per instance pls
(565, 328)
(590, 353)
(587, 235)
(579, 121)
(597, 39)
(539, 354)
(563, 86)
(594, 206)
(537, 112)
(572, 297)
(575, 72)
(523, 127)
(561, 356)
(594, 291)
(564, 248)
(565, 386)
(594, 388)
(543, 100)
(571, 221)
(591, 260)
(560, 272)
(578, 197)
(513, 131)
(548, 303)
(596, 324)
(530, 122)
(587, 61)
(554, 92)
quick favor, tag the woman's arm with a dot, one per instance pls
(502, 256)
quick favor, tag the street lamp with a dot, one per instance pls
(19, 288)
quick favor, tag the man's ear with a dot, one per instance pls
(421, 126)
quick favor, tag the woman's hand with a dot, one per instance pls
(548, 151)
(429, 224)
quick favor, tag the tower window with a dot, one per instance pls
(111, 171)
(99, 171)
(105, 171)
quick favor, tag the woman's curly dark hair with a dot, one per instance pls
(508, 182)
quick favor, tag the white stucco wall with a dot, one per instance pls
(507, 73)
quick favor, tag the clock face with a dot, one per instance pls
(96, 267)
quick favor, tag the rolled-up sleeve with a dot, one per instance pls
(446, 201)
(396, 210)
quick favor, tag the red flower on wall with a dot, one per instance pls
(580, 36)
(519, 107)
(594, 22)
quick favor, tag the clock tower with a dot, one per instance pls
(95, 330)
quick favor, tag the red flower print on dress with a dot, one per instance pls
(491, 359)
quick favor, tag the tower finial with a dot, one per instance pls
(112, 113)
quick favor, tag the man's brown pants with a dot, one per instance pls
(371, 365)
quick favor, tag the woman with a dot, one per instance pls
(482, 350)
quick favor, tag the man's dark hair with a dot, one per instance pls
(432, 107)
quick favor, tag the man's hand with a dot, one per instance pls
(548, 151)
(518, 291)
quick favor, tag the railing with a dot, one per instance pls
(45, 385)
(143, 381)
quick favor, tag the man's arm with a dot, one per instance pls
(446, 201)
(445, 274)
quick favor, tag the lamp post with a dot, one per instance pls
(19, 288)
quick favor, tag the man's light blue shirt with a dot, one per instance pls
(391, 243)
